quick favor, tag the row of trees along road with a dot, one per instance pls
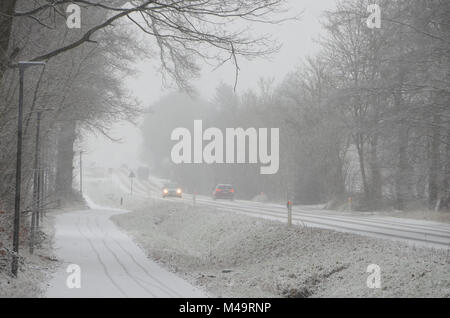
(81, 86)
(367, 117)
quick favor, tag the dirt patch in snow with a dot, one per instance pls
(232, 255)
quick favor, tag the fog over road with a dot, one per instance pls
(112, 265)
(415, 232)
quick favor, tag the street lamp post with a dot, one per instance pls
(131, 192)
(15, 260)
(42, 184)
(35, 212)
(37, 197)
(81, 173)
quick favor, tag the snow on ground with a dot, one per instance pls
(35, 270)
(234, 255)
(414, 231)
(436, 216)
(110, 264)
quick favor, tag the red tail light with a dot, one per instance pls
(218, 190)
(232, 190)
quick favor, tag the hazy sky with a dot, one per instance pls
(297, 38)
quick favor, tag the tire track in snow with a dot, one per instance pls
(120, 263)
(356, 221)
(362, 220)
(317, 220)
(105, 269)
(166, 289)
(406, 231)
(429, 234)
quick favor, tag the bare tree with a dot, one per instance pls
(183, 30)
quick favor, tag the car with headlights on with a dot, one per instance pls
(172, 190)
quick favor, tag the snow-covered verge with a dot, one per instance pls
(232, 255)
(436, 216)
(34, 270)
(417, 212)
(115, 193)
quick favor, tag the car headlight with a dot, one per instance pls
(165, 191)
(179, 191)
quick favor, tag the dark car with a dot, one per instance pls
(223, 191)
(172, 190)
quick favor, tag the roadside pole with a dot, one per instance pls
(39, 170)
(110, 172)
(289, 208)
(81, 173)
(15, 261)
(17, 212)
(39, 198)
(42, 186)
(36, 190)
(131, 176)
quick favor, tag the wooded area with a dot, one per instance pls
(367, 118)
(81, 87)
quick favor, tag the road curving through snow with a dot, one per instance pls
(111, 264)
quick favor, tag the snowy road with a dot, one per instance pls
(111, 264)
(415, 232)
